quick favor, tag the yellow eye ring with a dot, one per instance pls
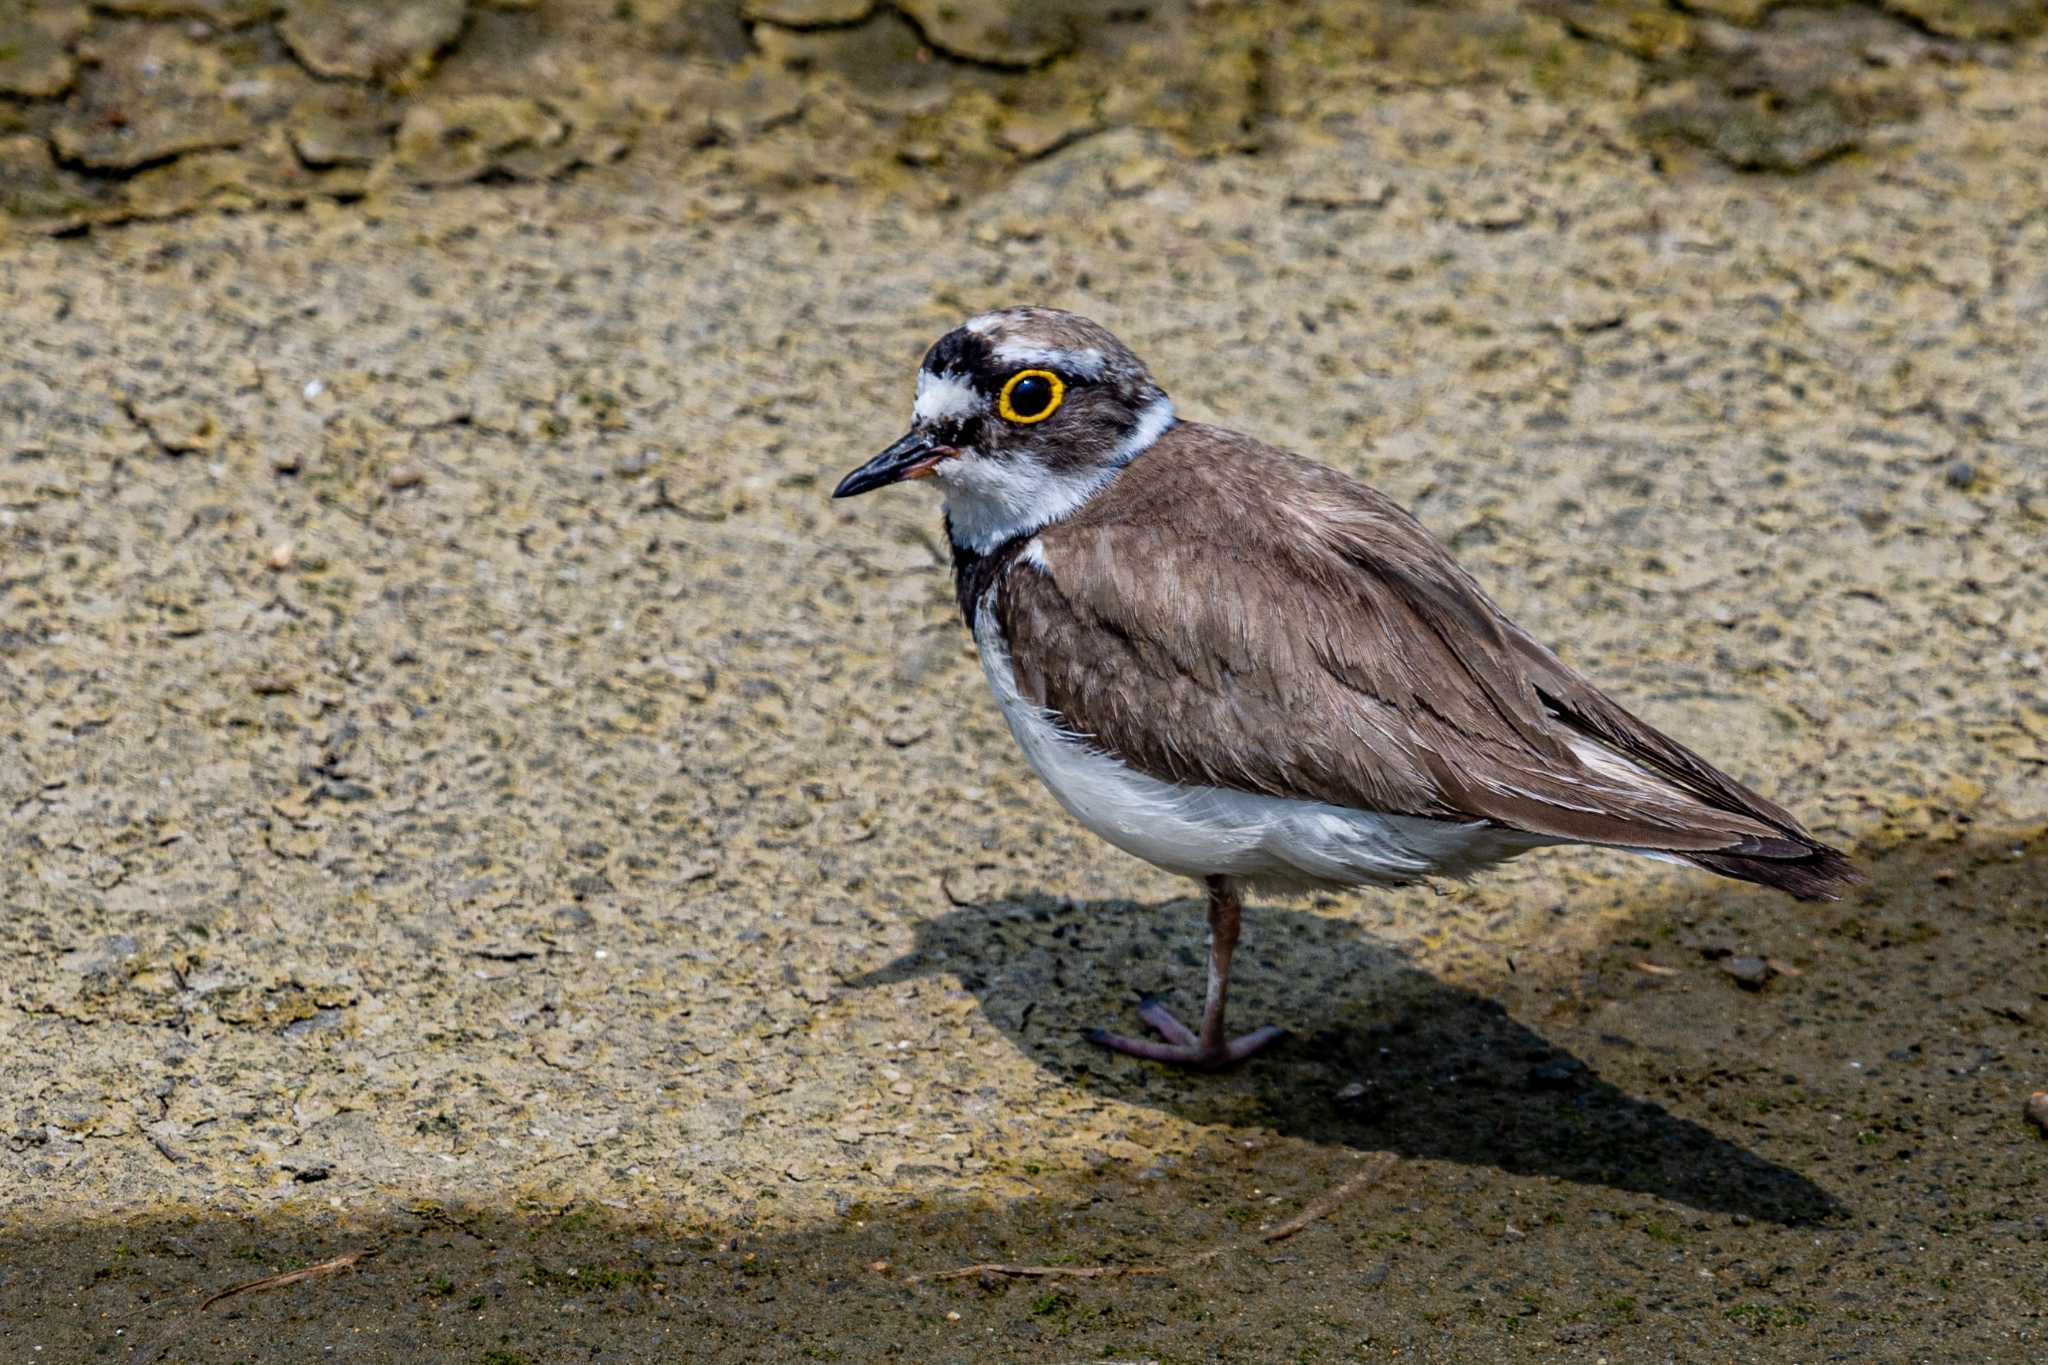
(1010, 414)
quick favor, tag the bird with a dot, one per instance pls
(1252, 670)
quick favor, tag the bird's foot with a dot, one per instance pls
(1182, 1047)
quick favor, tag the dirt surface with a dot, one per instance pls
(472, 804)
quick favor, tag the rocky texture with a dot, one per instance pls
(468, 794)
(808, 13)
(1644, 28)
(1016, 34)
(342, 126)
(1975, 18)
(224, 13)
(33, 188)
(153, 94)
(448, 141)
(370, 39)
(35, 56)
(303, 98)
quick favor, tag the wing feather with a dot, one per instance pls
(1321, 645)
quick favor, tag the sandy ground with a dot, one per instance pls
(472, 803)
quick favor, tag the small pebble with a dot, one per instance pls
(2037, 1110)
(1961, 474)
(952, 1317)
(404, 475)
(1360, 1100)
(1556, 1074)
(1750, 973)
(878, 1266)
(281, 555)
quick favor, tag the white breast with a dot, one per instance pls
(1200, 831)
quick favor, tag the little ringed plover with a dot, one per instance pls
(1250, 669)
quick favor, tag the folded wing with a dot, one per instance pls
(1320, 645)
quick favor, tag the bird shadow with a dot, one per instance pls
(1386, 1057)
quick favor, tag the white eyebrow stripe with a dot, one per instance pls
(946, 398)
(1086, 363)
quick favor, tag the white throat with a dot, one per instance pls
(992, 501)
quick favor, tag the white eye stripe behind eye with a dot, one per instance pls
(1086, 363)
(946, 398)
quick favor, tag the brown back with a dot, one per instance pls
(1228, 614)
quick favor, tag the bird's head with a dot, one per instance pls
(1021, 416)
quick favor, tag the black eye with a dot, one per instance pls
(1031, 396)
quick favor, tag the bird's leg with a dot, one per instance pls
(1209, 1051)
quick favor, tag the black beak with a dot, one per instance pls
(913, 457)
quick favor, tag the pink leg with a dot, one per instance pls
(1209, 1052)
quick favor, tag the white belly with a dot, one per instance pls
(1202, 831)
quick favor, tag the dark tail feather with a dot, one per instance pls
(1819, 874)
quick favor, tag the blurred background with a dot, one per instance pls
(478, 819)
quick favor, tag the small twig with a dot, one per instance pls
(289, 1277)
(1320, 1207)
(179, 1325)
(1076, 1272)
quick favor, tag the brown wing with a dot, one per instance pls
(1243, 618)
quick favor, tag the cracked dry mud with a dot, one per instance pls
(469, 797)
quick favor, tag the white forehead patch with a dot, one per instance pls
(1085, 362)
(946, 398)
